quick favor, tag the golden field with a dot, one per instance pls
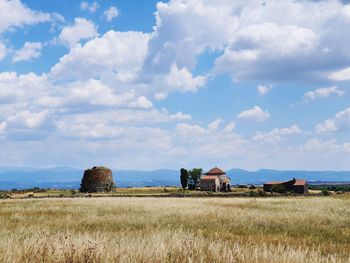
(127, 229)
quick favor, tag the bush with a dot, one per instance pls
(278, 189)
(252, 187)
(4, 195)
(262, 192)
(325, 193)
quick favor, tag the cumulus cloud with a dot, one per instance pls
(16, 14)
(27, 119)
(340, 75)
(230, 127)
(2, 127)
(215, 124)
(82, 29)
(3, 51)
(111, 13)
(118, 55)
(255, 113)
(326, 147)
(257, 42)
(323, 93)
(195, 26)
(276, 134)
(183, 80)
(91, 7)
(29, 51)
(340, 122)
(262, 89)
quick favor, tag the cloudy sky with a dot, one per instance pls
(187, 83)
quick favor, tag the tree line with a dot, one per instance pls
(190, 178)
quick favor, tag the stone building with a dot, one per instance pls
(215, 180)
(97, 179)
(295, 185)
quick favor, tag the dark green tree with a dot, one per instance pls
(194, 178)
(184, 178)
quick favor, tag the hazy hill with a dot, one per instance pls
(66, 177)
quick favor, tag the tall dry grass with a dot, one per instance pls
(175, 230)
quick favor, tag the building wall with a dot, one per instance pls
(301, 189)
(210, 185)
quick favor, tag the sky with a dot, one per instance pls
(147, 85)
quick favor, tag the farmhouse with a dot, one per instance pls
(215, 180)
(296, 185)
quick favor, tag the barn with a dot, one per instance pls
(298, 186)
(215, 180)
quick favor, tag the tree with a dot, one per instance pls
(184, 178)
(194, 178)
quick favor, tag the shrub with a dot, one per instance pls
(4, 195)
(262, 193)
(325, 193)
(277, 188)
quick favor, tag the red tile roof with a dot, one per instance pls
(209, 177)
(215, 171)
(297, 182)
(300, 182)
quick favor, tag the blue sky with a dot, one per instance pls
(184, 83)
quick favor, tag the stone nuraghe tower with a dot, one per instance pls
(97, 179)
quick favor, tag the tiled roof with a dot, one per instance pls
(297, 182)
(215, 171)
(300, 182)
(209, 177)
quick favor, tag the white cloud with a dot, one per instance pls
(340, 122)
(323, 93)
(262, 89)
(116, 55)
(3, 51)
(142, 102)
(215, 124)
(91, 7)
(183, 80)
(2, 127)
(27, 119)
(161, 95)
(82, 29)
(16, 14)
(111, 13)
(255, 113)
(29, 51)
(327, 147)
(230, 127)
(276, 135)
(340, 75)
(258, 42)
(16, 88)
(184, 30)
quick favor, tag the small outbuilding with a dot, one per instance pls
(215, 180)
(298, 186)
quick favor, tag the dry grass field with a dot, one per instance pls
(113, 229)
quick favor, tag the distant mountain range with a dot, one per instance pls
(66, 177)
